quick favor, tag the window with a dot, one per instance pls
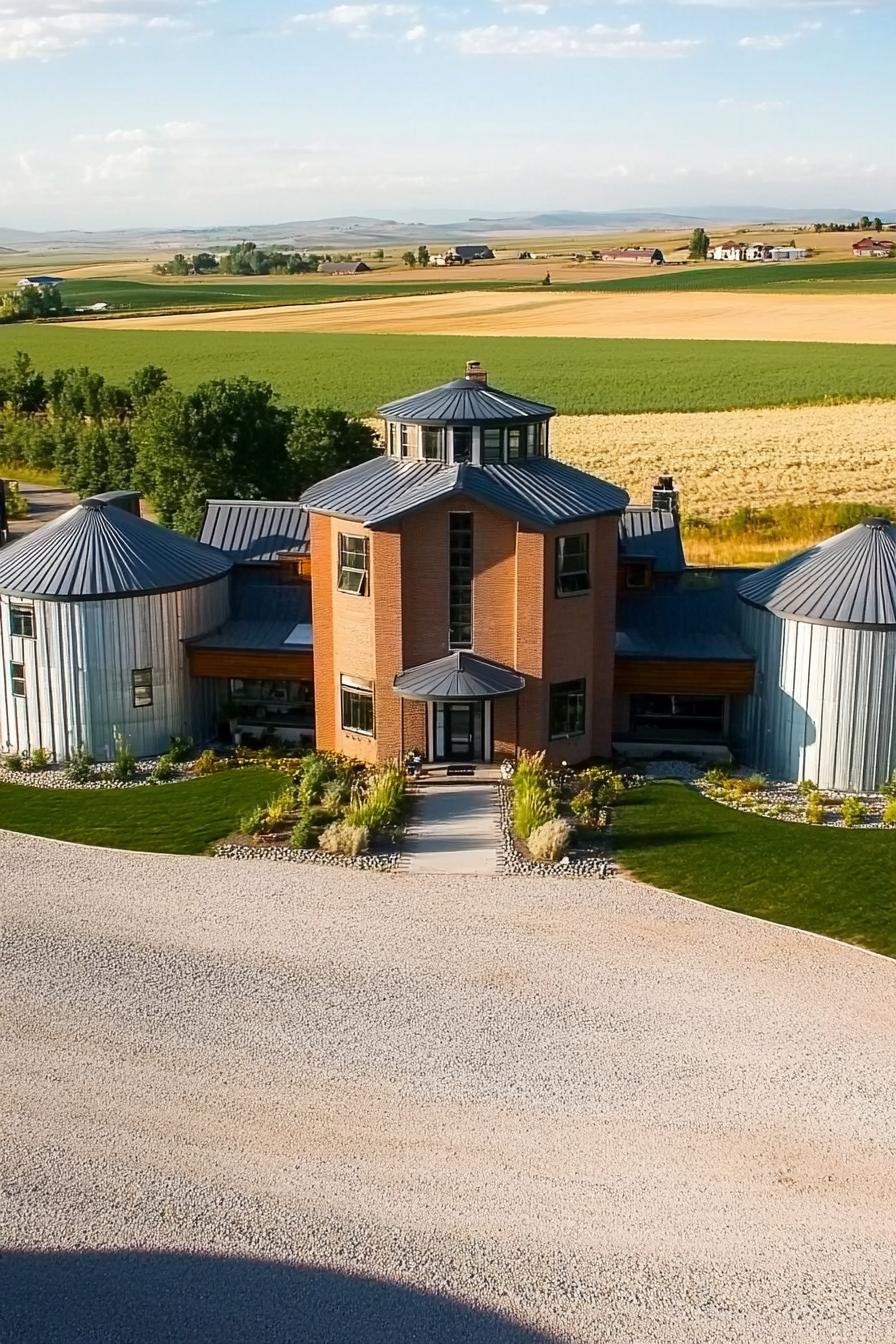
(431, 443)
(491, 446)
(353, 564)
(637, 574)
(568, 709)
(543, 439)
(393, 440)
(463, 443)
(516, 443)
(572, 565)
(21, 622)
(275, 704)
(460, 581)
(17, 677)
(698, 717)
(141, 685)
(405, 435)
(357, 706)
(531, 440)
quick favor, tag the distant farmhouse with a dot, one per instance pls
(28, 280)
(343, 267)
(633, 256)
(873, 247)
(732, 251)
(462, 255)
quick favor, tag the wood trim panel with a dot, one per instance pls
(294, 665)
(678, 677)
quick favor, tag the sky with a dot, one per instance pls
(157, 113)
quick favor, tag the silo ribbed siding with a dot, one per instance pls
(825, 702)
(78, 667)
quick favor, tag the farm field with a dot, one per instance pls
(867, 319)
(580, 377)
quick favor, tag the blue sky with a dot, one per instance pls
(192, 112)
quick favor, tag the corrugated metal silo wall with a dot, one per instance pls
(825, 702)
(78, 671)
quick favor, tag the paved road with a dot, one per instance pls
(454, 829)
(587, 1109)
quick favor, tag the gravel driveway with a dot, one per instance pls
(318, 1106)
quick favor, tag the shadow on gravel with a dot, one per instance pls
(132, 1297)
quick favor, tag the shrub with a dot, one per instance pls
(40, 758)
(280, 807)
(180, 750)
(317, 771)
(124, 766)
(336, 794)
(209, 762)
(550, 841)
(533, 805)
(13, 761)
(80, 767)
(807, 787)
(888, 788)
(381, 800)
(163, 770)
(304, 835)
(342, 837)
(889, 816)
(815, 809)
(853, 811)
(254, 822)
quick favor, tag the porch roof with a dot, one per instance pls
(460, 676)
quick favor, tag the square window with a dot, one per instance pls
(572, 565)
(17, 678)
(353, 564)
(637, 574)
(568, 709)
(141, 685)
(21, 622)
(357, 706)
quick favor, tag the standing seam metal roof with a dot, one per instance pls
(97, 550)
(464, 401)
(849, 580)
(655, 534)
(540, 491)
(459, 676)
(255, 531)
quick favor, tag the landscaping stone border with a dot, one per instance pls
(782, 801)
(54, 776)
(511, 863)
(378, 863)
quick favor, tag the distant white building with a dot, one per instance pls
(28, 280)
(788, 253)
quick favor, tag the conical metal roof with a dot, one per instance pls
(459, 676)
(464, 401)
(849, 580)
(99, 551)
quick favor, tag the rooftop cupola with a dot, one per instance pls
(467, 420)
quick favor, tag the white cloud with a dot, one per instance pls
(777, 41)
(598, 40)
(522, 7)
(415, 34)
(355, 20)
(43, 29)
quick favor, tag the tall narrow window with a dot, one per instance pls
(463, 443)
(568, 709)
(21, 621)
(17, 678)
(516, 443)
(431, 443)
(491, 446)
(405, 437)
(531, 440)
(393, 440)
(141, 686)
(353, 564)
(572, 565)
(357, 706)
(460, 565)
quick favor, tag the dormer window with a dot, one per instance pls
(432, 443)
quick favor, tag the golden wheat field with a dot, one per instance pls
(724, 460)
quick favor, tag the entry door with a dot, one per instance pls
(460, 722)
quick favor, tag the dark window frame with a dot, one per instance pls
(142, 693)
(17, 678)
(460, 580)
(21, 611)
(682, 717)
(516, 443)
(491, 455)
(640, 567)
(570, 719)
(353, 578)
(459, 453)
(572, 577)
(357, 703)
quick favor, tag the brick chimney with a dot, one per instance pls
(665, 496)
(475, 372)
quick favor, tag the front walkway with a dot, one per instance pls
(454, 829)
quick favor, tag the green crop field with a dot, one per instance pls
(579, 376)
(809, 277)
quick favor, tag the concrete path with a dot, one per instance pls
(454, 830)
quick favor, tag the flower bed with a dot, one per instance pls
(800, 803)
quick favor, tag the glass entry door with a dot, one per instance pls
(459, 730)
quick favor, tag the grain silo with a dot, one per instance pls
(823, 628)
(94, 612)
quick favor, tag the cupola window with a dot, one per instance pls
(462, 437)
(492, 446)
(432, 443)
(516, 443)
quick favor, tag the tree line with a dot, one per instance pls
(26, 302)
(250, 259)
(225, 439)
(860, 225)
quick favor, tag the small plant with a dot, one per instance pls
(853, 811)
(79, 769)
(180, 750)
(164, 769)
(40, 758)
(13, 761)
(124, 765)
(888, 788)
(548, 843)
(716, 777)
(889, 815)
(336, 794)
(807, 787)
(280, 808)
(533, 805)
(380, 802)
(254, 822)
(209, 762)
(304, 835)
(815, 809)
(317, 772)
(344, 838)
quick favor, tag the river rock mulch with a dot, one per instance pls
(382, 861)
(55, 777)
(593, 861)
(783, 801)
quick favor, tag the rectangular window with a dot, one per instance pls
(405, 436)
(17, 677)
(671, 717)
(568, 709)
(531, 440)
(572, 565)
(492, 445)
(141, 685)
(357, 706)
(21, 622)
(353, 564)
(431, 443)
(543, 439)
(516, 444)
(460, 580)
(463, 443)
(393, 440)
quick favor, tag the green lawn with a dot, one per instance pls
(579, 376)
(168, 818)
(835, 882)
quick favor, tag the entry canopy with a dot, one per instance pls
(460, 676)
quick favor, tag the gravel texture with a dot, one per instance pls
(594, 1109)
